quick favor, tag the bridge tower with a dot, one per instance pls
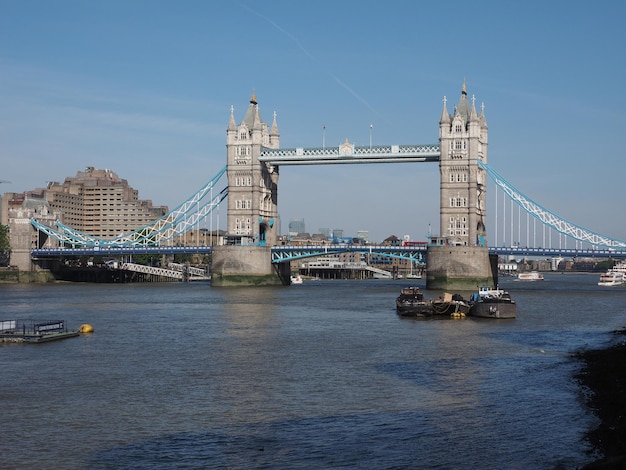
(458, 257)
(463, 141)
(252, 185)
(252, 203)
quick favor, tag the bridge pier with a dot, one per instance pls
(459, 268)
(237, 265)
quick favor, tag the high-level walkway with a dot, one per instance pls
(350, 154)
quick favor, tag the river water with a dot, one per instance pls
(319, 375)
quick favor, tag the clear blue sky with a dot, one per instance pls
(144, 88)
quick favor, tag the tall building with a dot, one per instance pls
(363, 235)
(100, 203)
(252, 184)
(97, 202)
(296, 226)
(463, 141)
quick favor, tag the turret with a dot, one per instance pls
(274, 141)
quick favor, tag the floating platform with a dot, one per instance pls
(34, 331)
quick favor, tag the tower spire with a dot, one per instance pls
(231, 123)
(445, 117)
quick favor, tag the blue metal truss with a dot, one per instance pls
(549, 218)
(282, 254)
(171, 225)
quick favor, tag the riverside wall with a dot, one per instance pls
(9, 275)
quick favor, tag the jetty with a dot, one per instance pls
(34, 331)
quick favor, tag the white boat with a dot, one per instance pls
(611, 278)
(296, 279)
(413, 275)
(530, 276)
(616, 276)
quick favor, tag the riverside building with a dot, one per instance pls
(100, 203)
(96, 202)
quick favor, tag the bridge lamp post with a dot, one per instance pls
(324, 137)
(371, 130)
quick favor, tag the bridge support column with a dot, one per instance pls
(236, 265)
(459, 268)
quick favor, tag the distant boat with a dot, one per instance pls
(412, 275)
(382, 275)
(296, 279)
(616, 276)
(530, 276)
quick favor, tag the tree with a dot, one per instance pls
(5, 245)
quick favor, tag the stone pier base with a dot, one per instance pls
(458, 268)
(236, 265)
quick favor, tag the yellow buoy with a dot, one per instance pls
(85, 328)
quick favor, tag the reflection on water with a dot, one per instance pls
(324, 375)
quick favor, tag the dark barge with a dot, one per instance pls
(411, 303)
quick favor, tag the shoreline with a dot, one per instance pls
(603, 379)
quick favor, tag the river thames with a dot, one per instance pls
(319, 375)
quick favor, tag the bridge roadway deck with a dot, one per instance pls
(287, 253)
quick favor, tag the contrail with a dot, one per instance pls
(303, 49)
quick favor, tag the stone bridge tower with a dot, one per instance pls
(459, 258)
(246, 259)
(252, 185)
(463, 141)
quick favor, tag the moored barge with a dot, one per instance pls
(411, 303)
(492, 303)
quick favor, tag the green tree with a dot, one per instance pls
(147, 260)
(182, 258)
(4, 238)
(5, 245)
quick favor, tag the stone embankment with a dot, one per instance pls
(11, 275)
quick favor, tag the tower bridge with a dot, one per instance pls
(457, 257)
